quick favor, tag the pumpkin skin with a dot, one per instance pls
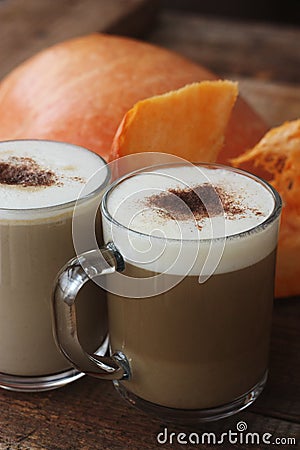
(79, 90)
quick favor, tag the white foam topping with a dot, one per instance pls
(70, 167)
(133, 204)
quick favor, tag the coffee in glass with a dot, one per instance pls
(190, 261)
(39, 183)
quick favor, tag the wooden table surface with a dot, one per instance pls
(89, 414)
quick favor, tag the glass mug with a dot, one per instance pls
(39, 184)
(189, 304)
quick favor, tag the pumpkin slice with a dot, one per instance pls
(278, 152)
(189, 122)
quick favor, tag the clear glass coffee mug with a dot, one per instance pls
(182, 346)
(39, 184)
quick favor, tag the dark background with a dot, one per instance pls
(276, 11)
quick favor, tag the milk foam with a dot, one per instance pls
(128, 206)
(72, 166)
(188, 242)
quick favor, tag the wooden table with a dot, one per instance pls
(89, 414)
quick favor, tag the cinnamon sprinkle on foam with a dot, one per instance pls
(202, 201)
(26, 172)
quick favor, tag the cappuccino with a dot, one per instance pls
(192, 344)
(39, 184)
(188, 262)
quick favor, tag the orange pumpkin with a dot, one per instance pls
(278, 152)
(79, 90)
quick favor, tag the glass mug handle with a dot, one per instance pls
(68, 282)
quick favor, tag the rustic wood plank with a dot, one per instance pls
(275, 102)
(281, 398)
(27, 27)
(231, 48)
(89, 414)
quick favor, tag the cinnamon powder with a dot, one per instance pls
(202, 201)
(26, 172)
